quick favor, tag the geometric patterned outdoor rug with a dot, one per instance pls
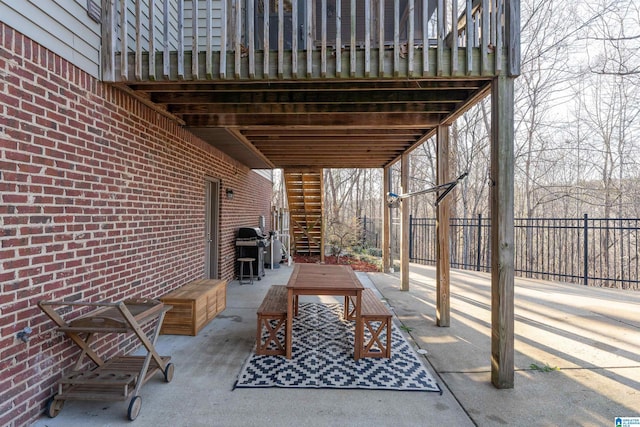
(322, 357)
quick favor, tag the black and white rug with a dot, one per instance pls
(322, 357)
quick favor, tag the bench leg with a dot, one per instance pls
(262, 347)
(349, 308)
(375, 340)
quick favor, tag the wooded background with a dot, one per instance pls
(577, 128)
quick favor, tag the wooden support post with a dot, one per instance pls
(404, 224)
(502, 236)
(108, 49)
(386, 220)
(322, 224)
(502, 196)
(443, 262)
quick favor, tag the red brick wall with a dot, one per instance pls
(101, 198)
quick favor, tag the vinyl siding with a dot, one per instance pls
(172, 25)
(265, 173)
(216, 13)
(63, 26)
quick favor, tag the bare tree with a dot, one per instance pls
(548, 31)
(614, 40)
(609, 103)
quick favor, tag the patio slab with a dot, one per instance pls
(206, 368)
(577, 349)
(585, 343)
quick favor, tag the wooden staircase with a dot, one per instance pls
(305, 199)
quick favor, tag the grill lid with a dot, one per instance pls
(251, 233)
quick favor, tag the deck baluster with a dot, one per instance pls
(294, 39)
(323, 42)
(315, 34)
(124, 36)
(195, 73)
(251, 42)
(152, 41)
(381, 38)
(338, 38)
(454, 38)
(180, 40)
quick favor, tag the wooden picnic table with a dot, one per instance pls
(322, 279)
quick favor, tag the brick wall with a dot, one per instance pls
(101, 198)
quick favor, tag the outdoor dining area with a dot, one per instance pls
(220, 380)
(325, 329)
(281, 306)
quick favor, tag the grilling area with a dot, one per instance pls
(592, 384)
(251, 243)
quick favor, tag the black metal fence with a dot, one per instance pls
(591, 251)
(370, 232)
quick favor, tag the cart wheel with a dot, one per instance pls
(168, 372)
(259, 278)
(134, 408)
(54, 406)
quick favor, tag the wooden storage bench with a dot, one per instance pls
(194, 305)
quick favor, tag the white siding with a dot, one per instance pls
(63, 26)
(172, 25)
(216, 23)
(265, 173)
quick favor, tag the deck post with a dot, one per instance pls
(386, 220)
(108, 48)
(443, 262)
(404, 223)
(322, 223)
(502, 235)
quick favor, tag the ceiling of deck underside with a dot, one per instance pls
(329, 124)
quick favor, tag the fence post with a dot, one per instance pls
(586, 250)
(410, 237)
(479, 244)
(364, 232)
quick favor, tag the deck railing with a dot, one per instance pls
(300, 39)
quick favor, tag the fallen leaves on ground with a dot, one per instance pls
(355, 263)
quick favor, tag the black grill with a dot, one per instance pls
(250, 243)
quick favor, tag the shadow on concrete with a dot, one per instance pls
(587, 338)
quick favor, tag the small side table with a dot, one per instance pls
(241, 275)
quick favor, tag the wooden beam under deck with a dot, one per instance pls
(182, 68)
(218, 86)
(323, 97)
(183, 110)
(288, 123)
(344, 120)
(378, 134)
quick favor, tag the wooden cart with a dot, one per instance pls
(122, 376)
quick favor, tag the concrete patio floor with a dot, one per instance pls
(587, 338)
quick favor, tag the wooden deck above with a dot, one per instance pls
(310, 83)
(317, 124)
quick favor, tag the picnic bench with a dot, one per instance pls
(376, 319)
(272, 316)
